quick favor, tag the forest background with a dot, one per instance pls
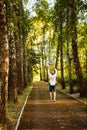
(31, 35)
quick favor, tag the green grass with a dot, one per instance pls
(66, 90)
(15, 109)
(84, 100)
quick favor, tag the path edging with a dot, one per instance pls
(18, 120)
(73, 97)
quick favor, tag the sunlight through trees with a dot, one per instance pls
(32, 33)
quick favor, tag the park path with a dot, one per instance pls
(41, 114)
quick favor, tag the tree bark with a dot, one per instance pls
(86, 61)
(78, 69)
(12, 82)
(4, 62)
(25, 66)
(68, 54)
(19, 54)
(12, 90)
(19, 63)
(57, 54)
(61, 52)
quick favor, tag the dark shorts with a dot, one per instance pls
(52, 88)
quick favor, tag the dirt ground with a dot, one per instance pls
(42, 114)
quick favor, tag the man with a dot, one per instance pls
(52, 84)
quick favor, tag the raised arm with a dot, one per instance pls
(49, 72)
(55, 72)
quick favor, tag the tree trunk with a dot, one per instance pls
(12, 90)
(12, 83)
(40, 71)
(30, 74)
(25, 67)
(78, 69)
(57, 55)
(4, 62)
(43, 54)
(61, 53)
(68, 54)
(86, 62)
(19, 63)
(19, 54)
(23, 36)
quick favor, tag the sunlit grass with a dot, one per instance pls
(67, 91)
(67, 88)
(84, 99)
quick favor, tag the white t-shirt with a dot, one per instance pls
(52, 77)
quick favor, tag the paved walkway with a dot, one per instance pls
(41, 114)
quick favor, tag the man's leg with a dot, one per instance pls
(50, 95)
(54, 94)
(50, 92)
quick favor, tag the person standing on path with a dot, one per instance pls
(52, 82)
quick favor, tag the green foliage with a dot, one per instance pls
(33, 58)
(41, 9)
(74, 80)
(59, 80)
(85, 77)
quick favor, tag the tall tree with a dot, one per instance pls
(78, 69)
(12, 83)
(59, 7)
(19, 60)
(12, 89)
(4, 62)
(86, 62)
(25, 30)
(61, 55)
(42, 13)
(68, 48)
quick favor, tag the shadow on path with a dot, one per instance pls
(41, 114)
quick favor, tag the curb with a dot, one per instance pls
(73, 97)
(18, 121)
